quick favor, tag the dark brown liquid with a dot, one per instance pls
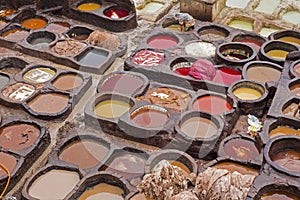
(18, 136)
(240, 148)
(67, 82)
(86, 154)
(233, 167)
(296, 89)
(122, 83)
(283, 130)
(212, 35)
(9, 162)
(289, 160)
(279, 195)
(49, 103)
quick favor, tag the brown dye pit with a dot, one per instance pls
(67, 82)
(241, 148)
(6, 12)
(47, 185)
(9, 162)
(58, 27)
(233, 167)
(292, 110)
(295, 89)
(68, 48)
(168, 98)
(52, 103)
(288, 160)
(235, 54)
(18, 92)
(85, 153)
(212, 34)
(18, 136)
(103, 191)
(283, 130)
(199, 127)
(263, 74)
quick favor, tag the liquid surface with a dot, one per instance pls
(116, 13)
(283, 130)
(51, 103)
(289, 39)
(39, 75)
(9, 162)
(88, 6)
(15, 35)
(93, 58)
(111, 108)
(227, 76)
(198, 127)
(267, 6)
(265, 31)
(212, 104)
(239, 24)
(237, 3)
(263, 74)
(128, 163)
(152, 7)
(47, 186)
(288, 160)
(292, 17)
(297, 69)
(34, 23)
(232, 167)
(85, 153)
(212, 35)
(278, 54)
(247, 93)
(295, 89)
(103, 191)
(162, 42)
(279, 195)
(150, 118)
(18, 92)
(241, 148)
(67, 82)
(58, 27)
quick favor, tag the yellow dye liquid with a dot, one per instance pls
(247, 93)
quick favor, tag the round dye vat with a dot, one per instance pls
(263, 73)
(150, 116)
(15, 35)
(278, 195)
(297, 69)
(182, 68)
(239, 24)
(116, 13)
(151, 7)
(84, 153)
(18, 136)
(233, 167)
(211, 34)
(212, 104)
(111, 108)
(4, 80)
(6, 12)
(174, 27)
(58, 27)
(182, 166)
(128, 163)
(39, 75)
(94, 57)
(67, 82)
(200, 49)
(284, 130)
(290, 39)
(199, 127)
(68, 48)
(227, 76)
(148, 58)
(88, 6)
(241, 149)
(295, 89)
(18, 91)
(54, 184)
(169, 98)
(277, 53)
(247, 93)
(103, 191)
(51, 103)
(41, 41)
(162, 42)
(288, 160)
(9, 162)
(34, 23)
(292, 17)
(235, 54)
(265, 31)
(122, 83)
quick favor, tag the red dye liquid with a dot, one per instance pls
(254, 43)
(212, 104)
(227, 76)
(183, 71)
(117, 13)
(162, 42)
